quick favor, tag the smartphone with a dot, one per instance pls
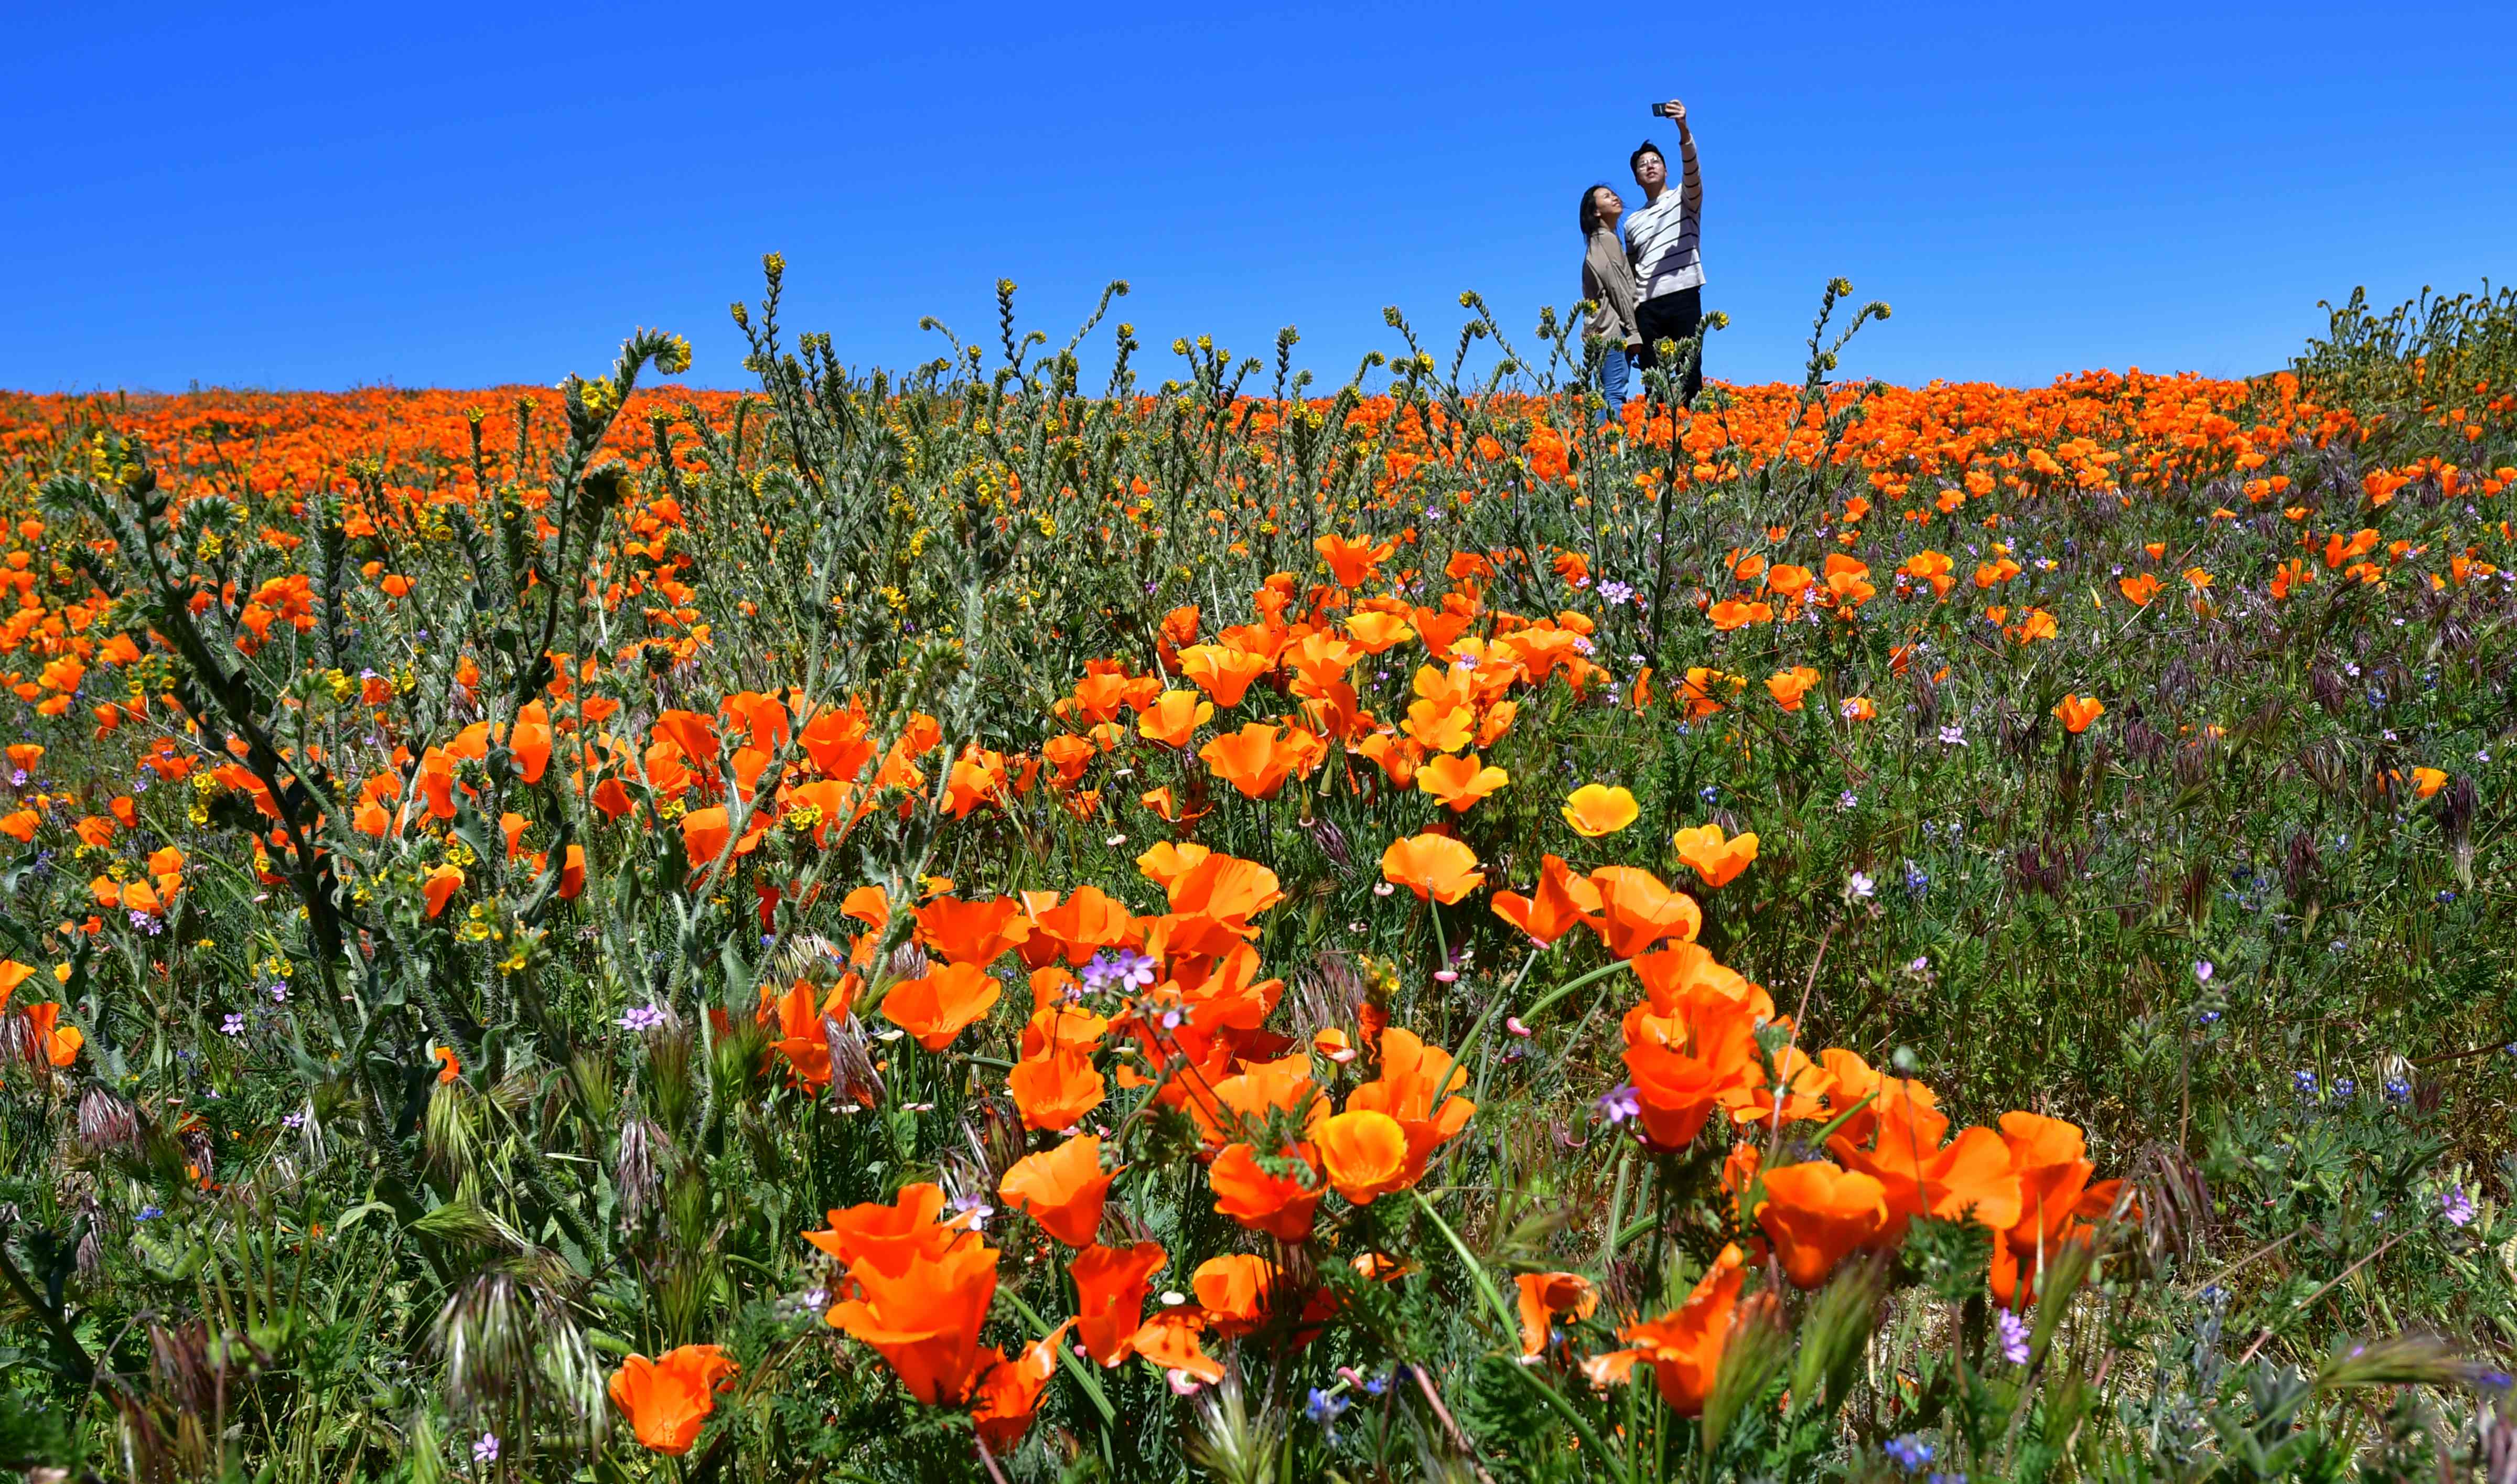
(1660, 110)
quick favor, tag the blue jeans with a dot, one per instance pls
(1612, 384)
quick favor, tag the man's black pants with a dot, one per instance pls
(1672, 316)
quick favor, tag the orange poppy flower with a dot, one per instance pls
(1110, 1284)
(1788, 687)
(1736, 614)
(1859, 1093)
(1378, 631)
(1258, 758)
(1718, 861)
(1082, 925)
(705, 833)
(2427, 782)
(1363, 1152)
(2076, 713)
(1637, 910)
(1692, 1046)
(2054, 1192)
(1174, 718)
(894, 1232)
(1418, 1086)
(1458, 782)
(922, 1316)
(1281, 1205)
(1055, 1091)
(937, 1007)
(1062, 1189)
(668, 1399)
(1007, 1395)
(1351, 563)
(1432, 866)
(1816, 1214)
(1222, 889)
(974, 933)
(439, 886)
(1260, 1088)
(1543, 1296)
(1970, 1177)
(13, 974)
(1683, 1347)
(1168, 1339)
(1223, 672)
(1563, 901)
(1235, 1291)
(1598, 809)
(59, 1044)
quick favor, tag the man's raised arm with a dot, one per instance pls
(1691, 185)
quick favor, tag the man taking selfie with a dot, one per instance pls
(1661, 240)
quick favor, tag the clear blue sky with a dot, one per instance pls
(335, 195)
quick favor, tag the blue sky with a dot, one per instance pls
(337, 195)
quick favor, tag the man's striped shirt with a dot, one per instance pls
(1661, 238)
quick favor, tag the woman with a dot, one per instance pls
(1608, 281)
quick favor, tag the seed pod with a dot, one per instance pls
(106, 1120)
(633, 1169)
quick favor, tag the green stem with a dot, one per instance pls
(1083, 1377)
(1512, 1328)
(1544, 1000)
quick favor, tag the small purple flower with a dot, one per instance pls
(2202, 970)
(486, 1451)
(1617, 593)
(1917, 880)
(643, 1017)
(2305, 1081)
(1119, 970)
(1953, 736)
(148, 1214)
(976, 1209)
(279, 992)
(148, 924)
(1910, 1452)
(1620, 1103)
(2010, 1332)
(294, 1120)
(1861, 886)
(2209, 1017)
(233, 1024)
(2457, 1205)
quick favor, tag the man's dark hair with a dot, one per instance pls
(1591, 207)
(1643, 149)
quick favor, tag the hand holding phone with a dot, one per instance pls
(1672, 110)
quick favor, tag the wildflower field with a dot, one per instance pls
(956, 925)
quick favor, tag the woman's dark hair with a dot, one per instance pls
(1591, 208)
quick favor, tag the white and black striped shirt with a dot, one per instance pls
(1661, 238)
